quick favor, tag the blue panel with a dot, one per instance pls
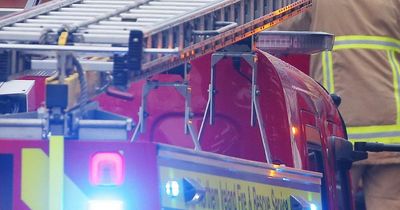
(6, 181)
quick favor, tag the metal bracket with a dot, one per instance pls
(256, 114)
(182, 88)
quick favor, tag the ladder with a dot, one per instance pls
(154, 35)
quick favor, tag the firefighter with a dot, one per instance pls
(364, 70)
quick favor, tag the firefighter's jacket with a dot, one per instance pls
(364, 67)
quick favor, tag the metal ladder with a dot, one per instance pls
(173, 31)
(136, 38)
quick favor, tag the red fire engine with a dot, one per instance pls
(166, 104)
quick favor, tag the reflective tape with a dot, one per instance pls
(34, 179)
(384, 133)
(35, 183)
(366, 42)
(56, 173)
(396, 76)
(327, 71)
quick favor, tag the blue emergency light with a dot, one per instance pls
(106, 205)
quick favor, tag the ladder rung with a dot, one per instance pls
(165, 7)
(22, 29)
(110, 32)
(135, 15)
(44, 21)
(97, 6)
(116, 28)
(154, 11)
(59, 17)
(20, 35)
(143, 20)
(106, 38)
(111, 27)
(99, 11)
(107, 2)
(176, 4)
(61, 13)
(37, 25)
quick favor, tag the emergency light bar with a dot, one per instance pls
(294, 42)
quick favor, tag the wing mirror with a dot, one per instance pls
(344, 154)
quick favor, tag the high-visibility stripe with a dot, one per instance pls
(379, 133)
(366, 42)
(327, 71)
(396, 76)
(370, 46)
(35, 183)
(34, 179)
(374, 129)
(324, 70)
(366, 37)
(56, 173)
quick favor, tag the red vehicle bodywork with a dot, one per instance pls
(291, 103)
(297, 112)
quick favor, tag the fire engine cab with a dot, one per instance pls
(166, 104)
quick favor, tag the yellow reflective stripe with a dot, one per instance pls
(381, 133)
(364, 46)
(327, 71)
(366, 42)
(34, 179)
(330, 73)
(56, 172)
(324, 70)
(396, 75)
(373, 129)
(366, 37)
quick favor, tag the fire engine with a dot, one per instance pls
(166, 104)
